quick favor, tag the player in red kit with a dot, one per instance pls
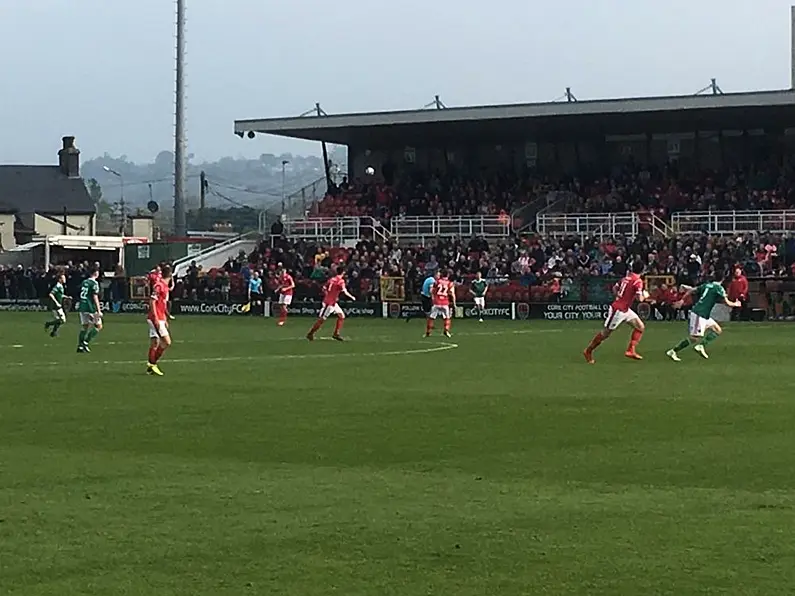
(628, 290)
(285, 291)
(157, 319)
(331, 293)
(154, 275)
(442, 295)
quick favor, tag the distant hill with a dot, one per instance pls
(233, 182)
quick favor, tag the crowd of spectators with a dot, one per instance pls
(529, 268)
(32, 283)
(671, 188)
(437, 194)
(626, 187)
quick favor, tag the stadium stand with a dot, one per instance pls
(548, 201)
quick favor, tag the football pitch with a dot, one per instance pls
(497, 462)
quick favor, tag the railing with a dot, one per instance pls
(659, 225)
(214, 247)
(380, 233)
(420, 228)
(733, 222)
(332, 231)
(588, 224)
(523, 218)
(298, 203)
(181, 265)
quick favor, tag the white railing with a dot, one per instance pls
(589, 224)
(419, 228)
(380, 233)
(331, 230)
(733, 222)
(217, 254)
(215, 247)
(524, 218)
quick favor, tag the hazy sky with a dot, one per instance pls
(103, 70)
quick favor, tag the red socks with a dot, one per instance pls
(447, 324)
(155, 353)
(633, 341)
(318, 324)
(283, 313)
(595, 342)
(338, 326)
(429, 326)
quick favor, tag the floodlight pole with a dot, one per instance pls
(284, 164)
(180, 223)
(792, 47)
(122, 206)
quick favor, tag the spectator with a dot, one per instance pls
(738, 291)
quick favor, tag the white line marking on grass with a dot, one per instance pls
(510, 332)
(439, 348)
(363, 338)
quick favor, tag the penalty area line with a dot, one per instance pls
(439, 348)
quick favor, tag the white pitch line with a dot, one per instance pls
(440, 348)
(510, 332)
(269, 339)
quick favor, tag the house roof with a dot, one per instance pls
(42, 189)
(525, 120)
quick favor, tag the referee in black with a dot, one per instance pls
(425, 295)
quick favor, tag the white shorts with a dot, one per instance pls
(286, 299)
(90, 318)
(615, 318)
(440, 311)
(331, 309)
(480, 301)
(157, 330)
(697, 326)
(59, 314)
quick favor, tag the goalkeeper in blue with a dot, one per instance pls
(702, 328)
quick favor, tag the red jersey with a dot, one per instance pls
(153, 276)
(332, 290)
(441, 291)
(160, 298)
(286, 285)
(629, 289)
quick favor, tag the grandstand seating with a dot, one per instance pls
(660, 192)
(683, 224)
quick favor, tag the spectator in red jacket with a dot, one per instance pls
(738, 290)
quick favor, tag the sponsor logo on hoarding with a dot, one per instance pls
(502, 312)
(351, 309)
(204, 308)
(492, 311)
(22, 305)
(522, 311)
(139, 306)
(404, 310)
(573, 312)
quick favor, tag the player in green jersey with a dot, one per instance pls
(90, 311)
(702, 328)
(56, 301)
(478, 289)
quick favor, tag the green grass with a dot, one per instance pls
(263, 464)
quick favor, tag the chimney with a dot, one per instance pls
(69, 158)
